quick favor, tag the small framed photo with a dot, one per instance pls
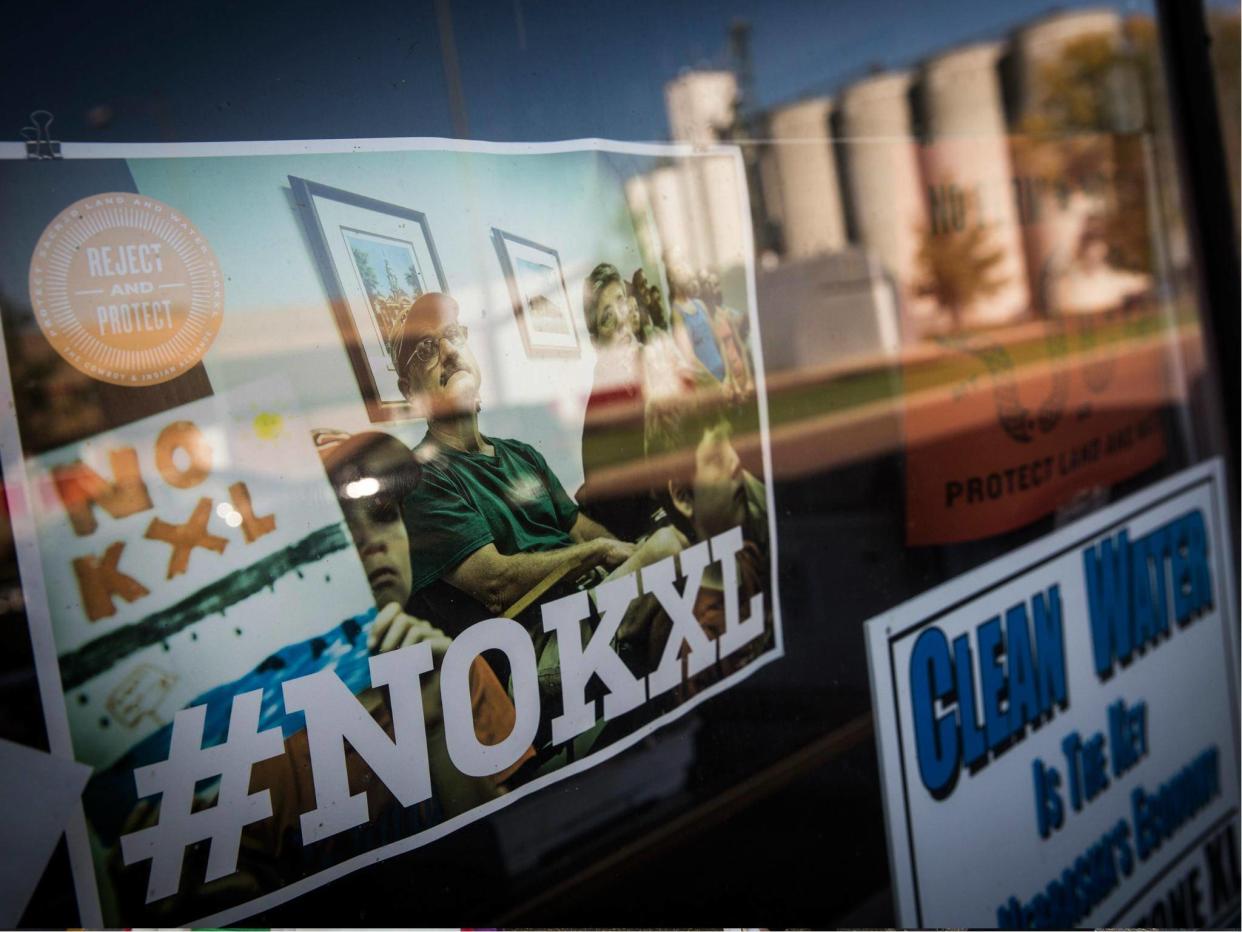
(540, 301)
(375, 259)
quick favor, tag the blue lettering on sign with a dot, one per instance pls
(1157, 816)
(968, 705)
(936, 739)
(1130, 585)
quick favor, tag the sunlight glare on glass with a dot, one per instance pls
(361, 488)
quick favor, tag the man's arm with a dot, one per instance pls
(663, 542)
(498, 580)
(585, 529)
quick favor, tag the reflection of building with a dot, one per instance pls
(885, 192)
(700, 105)
(832, 309)
(982, 145)
(696, 204)
(805, 168)
(667, 192)
(967, 171)
(1053, 222)
(722, 180)
(1041, 44)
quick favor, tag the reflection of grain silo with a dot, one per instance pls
(638, 199)
(697, 203)
(810, 203)
(883, 184)
(770, 184)
(721, 180)
(968, 174)
(1041, 44)
(1053, 222)
(669, 199)
(700, 104)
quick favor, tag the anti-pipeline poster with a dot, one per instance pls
(362, 488)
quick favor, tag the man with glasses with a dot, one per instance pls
(489, 521)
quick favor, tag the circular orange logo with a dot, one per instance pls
(126, 289)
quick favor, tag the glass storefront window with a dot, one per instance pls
(1223, 22)
(935, 262)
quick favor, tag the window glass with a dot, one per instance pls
(1224, 30)
(977, 323)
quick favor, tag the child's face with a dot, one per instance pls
(383, 544)
(719, 492)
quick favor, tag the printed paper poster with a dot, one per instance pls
(184, 549)
(360, 491)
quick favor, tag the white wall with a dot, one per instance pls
(277, 314)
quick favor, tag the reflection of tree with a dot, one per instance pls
(1226, 30)
(411, 279)
(369, 279)
(1064, 129)
(62, 402)
(1074, 88)
(958, 268)
(1126, 227)
(1082, 130)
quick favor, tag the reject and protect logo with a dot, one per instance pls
(126, 289)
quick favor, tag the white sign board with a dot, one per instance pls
(1058, 729)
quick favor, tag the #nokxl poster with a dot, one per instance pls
(1058, 730)
(360, 489)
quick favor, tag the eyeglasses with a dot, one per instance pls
(427, 350)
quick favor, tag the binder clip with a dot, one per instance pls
(38, 137)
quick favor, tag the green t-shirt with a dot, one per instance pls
(465, 501)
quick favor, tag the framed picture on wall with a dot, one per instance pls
(541, 303)
(375, 259)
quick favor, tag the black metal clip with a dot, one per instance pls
(38, 136)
